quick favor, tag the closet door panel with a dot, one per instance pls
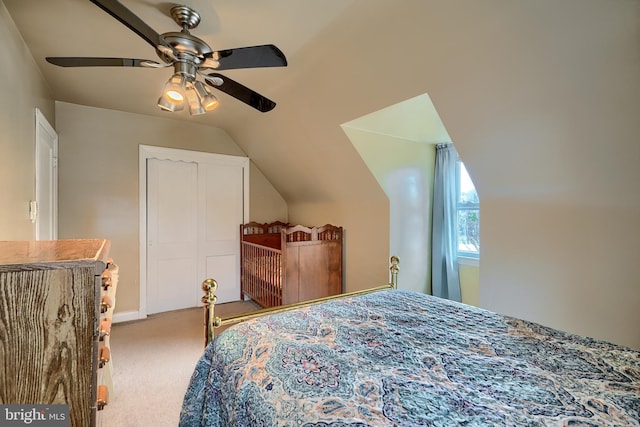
(172, 204)
(222, 208)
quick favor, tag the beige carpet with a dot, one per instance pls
(152, 362)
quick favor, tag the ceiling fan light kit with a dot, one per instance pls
(183, 85)
(208, 99)
(191, 58)
(195, 106)
(172, 98)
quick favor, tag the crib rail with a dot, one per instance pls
(261, 274)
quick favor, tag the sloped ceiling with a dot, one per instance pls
(521, 78)
(80, 28)
(319, 38)
(415, 120)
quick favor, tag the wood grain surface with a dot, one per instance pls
(49, 311)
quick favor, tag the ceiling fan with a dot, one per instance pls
(191, 58)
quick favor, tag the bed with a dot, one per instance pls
(400, 358)
(283, 264)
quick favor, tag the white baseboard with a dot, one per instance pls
(127, 316)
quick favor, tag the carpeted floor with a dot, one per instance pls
(152, 362)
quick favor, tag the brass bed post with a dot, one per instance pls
(394, 261)
(212, 321)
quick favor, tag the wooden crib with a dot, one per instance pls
(283, 264)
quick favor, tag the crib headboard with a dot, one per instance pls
(300, 233)
(264, 234)
(277, 234)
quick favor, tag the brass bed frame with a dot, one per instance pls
(209, 286)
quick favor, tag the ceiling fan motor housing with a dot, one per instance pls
(185, 47)
(185, 16)
(185, 68)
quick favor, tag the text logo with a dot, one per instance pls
(34, 415)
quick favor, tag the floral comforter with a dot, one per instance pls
(399, 358)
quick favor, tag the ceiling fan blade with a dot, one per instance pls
(70, 61)
(240, 92)
(247, 57)
(132, 21)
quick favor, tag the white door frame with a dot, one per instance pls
(163, 153)
(45, 133)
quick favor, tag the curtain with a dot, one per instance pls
(444, 264)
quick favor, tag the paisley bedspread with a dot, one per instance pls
(399, 358)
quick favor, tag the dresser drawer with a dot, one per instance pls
(104, 377)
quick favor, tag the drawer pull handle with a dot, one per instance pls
(106, 280)
(105, 304)
(104, 356)
(105, 328)
(103, 397)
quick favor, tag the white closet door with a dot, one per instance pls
(221, 205)
(194, 210)
(172, 236)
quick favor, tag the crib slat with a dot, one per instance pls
(261, 274)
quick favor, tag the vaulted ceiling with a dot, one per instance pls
(498, 72)
(320, 40)
(80, 28)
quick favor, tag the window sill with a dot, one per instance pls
(474, 262)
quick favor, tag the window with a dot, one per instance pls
(468, 214)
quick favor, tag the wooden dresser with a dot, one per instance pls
(52, 336)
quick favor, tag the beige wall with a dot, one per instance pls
(404, 170)
(366, 261)
(315, 167)
(541, 99)
(23, 89)
(543, 108)
(469, 274)
(577, 266)
(98, 179)
(266, 204)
